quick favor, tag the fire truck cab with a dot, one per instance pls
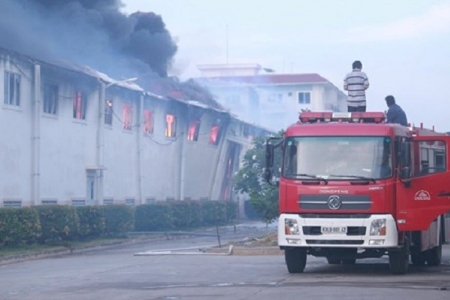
(352, 186)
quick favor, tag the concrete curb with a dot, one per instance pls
(214, 250)
(179, 252)
(71, 251)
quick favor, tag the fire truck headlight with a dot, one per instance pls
(291, 227)
(378, 227)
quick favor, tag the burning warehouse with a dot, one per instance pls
(73, 135)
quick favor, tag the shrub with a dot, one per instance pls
(154, 217)
(181, 213)
(196, 214)
(232, 210)
(118, 218)
(213, 212)
(92, 222)
(58, 222)
(19, 226)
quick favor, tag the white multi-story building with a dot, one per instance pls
(271, 100)
(71, 135)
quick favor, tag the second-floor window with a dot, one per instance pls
(50, 99)
(148, 121)
(108, 112)
(215, 134)
(304, 98)
(12, 88)
(194, 128)
(127, 116)
(171, 125)
(79, 105)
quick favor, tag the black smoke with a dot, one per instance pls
(89, 32)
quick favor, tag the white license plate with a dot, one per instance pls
(334, 230)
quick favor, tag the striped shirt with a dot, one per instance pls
(356, 83)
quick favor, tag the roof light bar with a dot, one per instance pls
(348, 117)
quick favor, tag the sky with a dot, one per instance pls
(404, 45)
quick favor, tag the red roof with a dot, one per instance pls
(268, 79)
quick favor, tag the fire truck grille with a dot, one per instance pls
(351, 230)
(334, 202)
(334, 242)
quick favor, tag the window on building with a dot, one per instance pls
(275, 98)
(108, 112)
(108, 201)
(79, 105)
(50, 99)
(215, 133)
(127, 116)
(193, 130)
(12, 88)
(78, 202)
(49, 202)
(148, 121)
(171, 125)
(129, 201)
(150, 200)
(304, 97)
(12, 203)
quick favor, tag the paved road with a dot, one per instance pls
(118, 274)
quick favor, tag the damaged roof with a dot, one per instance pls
(188, 92)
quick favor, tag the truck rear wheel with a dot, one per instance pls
(295, 259)
(350, 261)
(399, 260)
(434, 256)
(418, 258)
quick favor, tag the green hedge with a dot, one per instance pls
(154, 217)
(183, 214)
(59, 222)
(118, 218)
(19, 226)
(92, 222)
(232, 210)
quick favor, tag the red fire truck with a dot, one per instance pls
(352, 186)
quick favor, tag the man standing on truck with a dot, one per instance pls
(356, 83)
(395, 113)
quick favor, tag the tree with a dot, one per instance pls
(250, 180)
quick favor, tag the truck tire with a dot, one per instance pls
(418, 258)
(333, 261)
(351, 261)
(295, 259)
(399, 260)
(434, 256)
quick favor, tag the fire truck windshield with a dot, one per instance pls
(338, 158)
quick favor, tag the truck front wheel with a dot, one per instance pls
(295, 259)
(399, 260)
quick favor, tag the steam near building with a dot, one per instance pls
(89, 115)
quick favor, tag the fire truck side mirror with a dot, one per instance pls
(405, 173)
(404, 159)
